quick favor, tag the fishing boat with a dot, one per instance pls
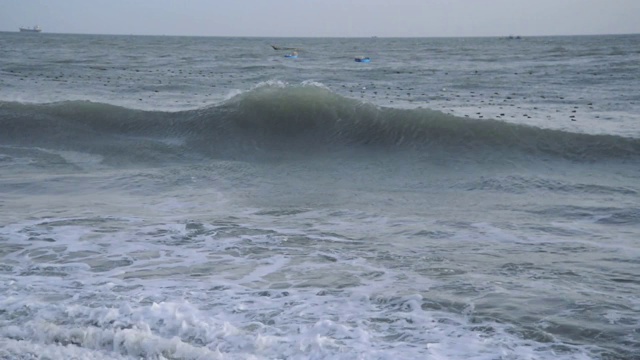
(35, 29)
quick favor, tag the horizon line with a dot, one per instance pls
(334, 36)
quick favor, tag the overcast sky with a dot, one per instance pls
(341, 18)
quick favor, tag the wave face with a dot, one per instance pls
(294, 120)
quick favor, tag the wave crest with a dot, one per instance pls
(277, 117)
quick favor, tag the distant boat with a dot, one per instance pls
(35, 29)
(363, 59)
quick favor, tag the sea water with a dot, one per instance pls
(208, 198)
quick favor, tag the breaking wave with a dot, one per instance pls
(272, 119)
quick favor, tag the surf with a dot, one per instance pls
(306, 119)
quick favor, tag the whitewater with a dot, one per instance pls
(209, 198)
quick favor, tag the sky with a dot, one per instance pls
(325, 18)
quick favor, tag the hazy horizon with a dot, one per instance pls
(329, 18)
(326, 37)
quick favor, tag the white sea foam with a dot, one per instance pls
(311, 327)
(225, 291)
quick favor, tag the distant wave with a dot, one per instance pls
(300, 119)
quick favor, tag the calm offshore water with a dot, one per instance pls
(207, 198)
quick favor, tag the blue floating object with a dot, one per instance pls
(363, 59)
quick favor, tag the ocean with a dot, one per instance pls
(208, 198)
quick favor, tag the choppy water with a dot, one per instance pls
(197, 198)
